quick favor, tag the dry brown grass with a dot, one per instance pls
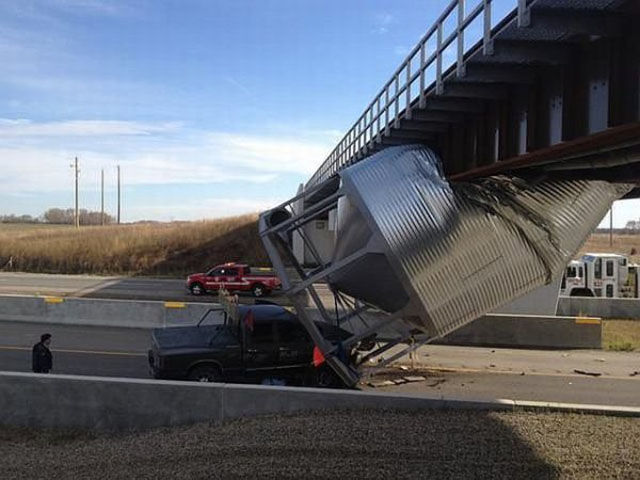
(621, 335)
(622, 244)
(166, 248)
(152, 249)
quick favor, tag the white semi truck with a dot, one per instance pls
(601, 275)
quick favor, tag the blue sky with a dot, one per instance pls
(211, 108)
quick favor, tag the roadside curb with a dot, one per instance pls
(613, 410)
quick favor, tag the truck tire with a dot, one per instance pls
(196, 288)
(325, 377)
(205, 374)
(259, 290)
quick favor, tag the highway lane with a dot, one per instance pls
(79, 363)
(93, 286)
(121, 352)
(78, 350)
(89, 285)
(563, 388)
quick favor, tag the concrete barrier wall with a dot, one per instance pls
(621, 308)
(115, 404)
(503, 330)
(491, 330)
(64, 401)
(108, 313)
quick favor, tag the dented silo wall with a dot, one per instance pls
(449, 253)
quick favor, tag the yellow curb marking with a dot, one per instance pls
(588, 321)
(53, 300)
(174, 305)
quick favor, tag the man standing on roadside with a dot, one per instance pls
(42, 358)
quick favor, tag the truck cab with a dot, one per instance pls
(600, 275)
(258, 343)
(234, 277)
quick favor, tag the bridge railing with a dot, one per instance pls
(409, 81)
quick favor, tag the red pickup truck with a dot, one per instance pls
(234, 277)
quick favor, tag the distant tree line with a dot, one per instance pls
(60, 216)
(18, 219)
(633, 225)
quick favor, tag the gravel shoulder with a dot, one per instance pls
(351, 444)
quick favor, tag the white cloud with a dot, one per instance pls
(105, 7)
(269, 154)
(22, 127)
(35, 156)
(382, 22)
(203, 208)
(401, 51)
(45, 9)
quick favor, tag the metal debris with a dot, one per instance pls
(415, 378)
(384, 383)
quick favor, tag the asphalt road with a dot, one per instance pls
(91, 286)
(464, 372)
(78, 350)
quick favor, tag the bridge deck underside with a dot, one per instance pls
(562, 93)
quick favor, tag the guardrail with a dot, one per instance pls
(397, 95)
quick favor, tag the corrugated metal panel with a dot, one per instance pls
(463, 250)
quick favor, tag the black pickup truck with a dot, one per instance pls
(264, 343)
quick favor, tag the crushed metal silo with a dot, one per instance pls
(430, 253)
(458, 250)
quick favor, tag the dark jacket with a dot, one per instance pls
(42, 359)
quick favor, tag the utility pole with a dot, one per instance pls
(77, 216)
(611, 226)
(118, 194)
(102, 197)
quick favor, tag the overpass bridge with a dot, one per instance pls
(472, 177)
(551, 87)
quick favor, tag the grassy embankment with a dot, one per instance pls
(166, 248)
(173, 248)
(621, 335)
(179, 248)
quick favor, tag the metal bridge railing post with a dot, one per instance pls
(372, 130)
(378, 119)
(396, 121)
(439, 86)
(524, 14)
(487, 43)
(460, 70)
(386, 110)
(407, 111)
(423, 47)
